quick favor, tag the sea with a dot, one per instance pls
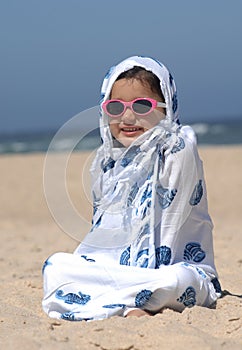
(208, 134)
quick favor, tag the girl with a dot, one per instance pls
(150, 246)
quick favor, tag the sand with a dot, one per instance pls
(29, 235)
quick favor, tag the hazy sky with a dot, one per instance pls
(55, 53)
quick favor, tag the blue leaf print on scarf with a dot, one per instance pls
(179, 145)
(95, 202)
(125, 257)
(162, 256)
(145, 230)
(102, 95)
(197, 193)
(168, 134)
(216, 285)
(109, 72)
(144, 211)
(129, 155)
(194, 252)
(46, 263)
(109, 164)
(165, 196)
(160, 153)
(141, 260)
(142, 297)
(87, 259)
(97, 223)
(201, 272)
(174, 102)
(71, 298)
(171, 79)
(188, 298)
(113, 306)
(70, 316)
(147, 193)
(132, 194)
(94, 211)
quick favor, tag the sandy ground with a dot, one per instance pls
(29, 235)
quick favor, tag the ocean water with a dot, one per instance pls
(207, 134)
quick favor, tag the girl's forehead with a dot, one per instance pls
(130, 89)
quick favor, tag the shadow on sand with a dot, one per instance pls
(226, 292)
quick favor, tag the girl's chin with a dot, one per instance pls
(126, 141)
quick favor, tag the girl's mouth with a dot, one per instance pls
(131, 130)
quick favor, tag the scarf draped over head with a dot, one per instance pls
(167, 85)
(148, 197)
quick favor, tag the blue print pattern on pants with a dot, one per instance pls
(216, 285)
(87, 259)
(71, 316)
(163, 256)
(125, 257)
(46, 263)
(180, 144)
(113, 306)
(142, 297)
(165, 196)
(72, 298)
(197, 194)
(143, 258)
(188, 298)
(194, 252)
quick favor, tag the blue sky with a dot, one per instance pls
(55, 53)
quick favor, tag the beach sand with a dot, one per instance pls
(29, 235)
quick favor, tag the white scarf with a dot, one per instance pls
(150, 198)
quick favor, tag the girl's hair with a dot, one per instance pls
(143, 76)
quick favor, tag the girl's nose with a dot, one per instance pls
(128, 117)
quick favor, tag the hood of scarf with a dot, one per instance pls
(167, 85)
(149, 199)
(117, 171)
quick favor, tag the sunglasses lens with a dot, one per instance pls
(142, 106)
(115, 108)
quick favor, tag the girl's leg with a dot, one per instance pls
(78, 289)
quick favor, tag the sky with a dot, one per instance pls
(55, 53)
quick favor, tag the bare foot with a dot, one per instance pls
(137, 313)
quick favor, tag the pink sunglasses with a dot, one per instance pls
(139, 106)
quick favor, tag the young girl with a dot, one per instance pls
(150, 246)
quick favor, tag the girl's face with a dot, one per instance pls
(130, 126)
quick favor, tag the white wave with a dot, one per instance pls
(19, 146)
(201, 128)
(205, 128)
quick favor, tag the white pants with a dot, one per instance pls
(78, 289)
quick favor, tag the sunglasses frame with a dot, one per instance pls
(129, 104)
